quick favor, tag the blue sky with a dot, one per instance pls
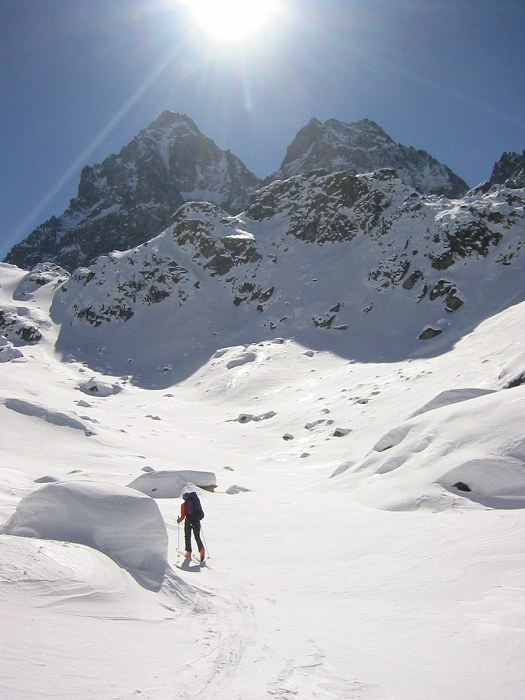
(80, 78)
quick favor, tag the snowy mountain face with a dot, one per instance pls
(509, 170)
(130, 197)
(362, 147)
(361, 265)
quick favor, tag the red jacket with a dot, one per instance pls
(183, 512)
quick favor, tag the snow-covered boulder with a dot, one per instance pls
(446, 398)
(7, 350)
(235, 488)
(172, 484)
(16, 325)
(42, 274)
(247, 417)
(122, 523)
(49, 415)
(242, 359)
(97, 387)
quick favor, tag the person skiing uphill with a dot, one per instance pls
(191, 512)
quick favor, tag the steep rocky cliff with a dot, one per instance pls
(130, 197)
(362, 147)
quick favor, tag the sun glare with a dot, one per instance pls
(233, 20)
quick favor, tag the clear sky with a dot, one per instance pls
(80, 78)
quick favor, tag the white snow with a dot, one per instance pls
(172, 484)
(29, 408)
(118, 521)
(350, 566)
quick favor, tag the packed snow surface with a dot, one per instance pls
(365, 537)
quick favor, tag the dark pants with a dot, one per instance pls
(196, 528)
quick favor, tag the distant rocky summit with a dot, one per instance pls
(129, 198)
(363, 147)
(509, 171)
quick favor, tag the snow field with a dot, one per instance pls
(344, 566)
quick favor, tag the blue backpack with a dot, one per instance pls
(193, 503)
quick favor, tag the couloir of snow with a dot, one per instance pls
(346, 560)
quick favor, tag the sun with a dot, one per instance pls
(228, 21)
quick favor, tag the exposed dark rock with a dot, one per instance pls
(129, 198)
(17, 329)
(509, 170)
(361, 147)
(460, 486)
(429, 333)
(517, 381)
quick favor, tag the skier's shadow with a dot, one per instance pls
(188, 566)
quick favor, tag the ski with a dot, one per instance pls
(193, 558)
(201, 563)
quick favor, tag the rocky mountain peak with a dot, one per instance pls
(129, 197)
(363, 146)
(509, 170)
(173, 120)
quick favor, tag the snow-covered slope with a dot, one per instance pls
(365, 536)
(363, 266)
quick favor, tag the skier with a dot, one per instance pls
(191, 512)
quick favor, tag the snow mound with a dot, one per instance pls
(466, 455)
(445, 398)
(96, 387)
(235, 488)
(59, 569)
(120, 522)
(172, 484)
(28, 408)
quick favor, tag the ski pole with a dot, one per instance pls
(205, 543)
